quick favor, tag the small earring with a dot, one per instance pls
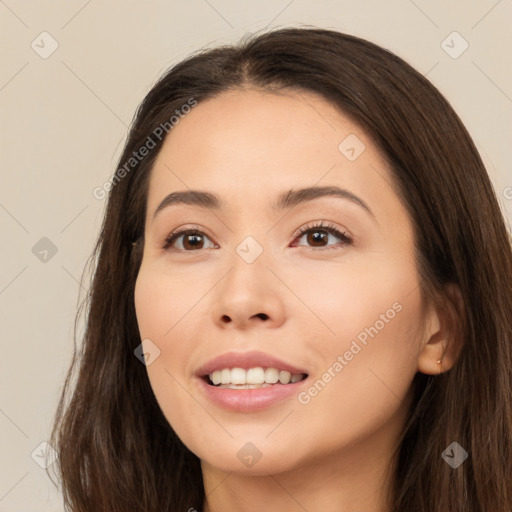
(439, 362)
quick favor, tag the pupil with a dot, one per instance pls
(317, 238)
(193, 237)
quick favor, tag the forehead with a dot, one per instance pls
(263, 120)
(254, 143)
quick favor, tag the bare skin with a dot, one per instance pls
(304, 299)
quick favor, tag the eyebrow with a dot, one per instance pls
(285, 200)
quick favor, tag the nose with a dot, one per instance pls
(249, 295)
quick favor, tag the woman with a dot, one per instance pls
(301, 299)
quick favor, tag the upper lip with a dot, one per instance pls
(246, 360)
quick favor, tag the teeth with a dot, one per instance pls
(238, 378)
(254, 376)
(271, 375)
(226, 376)
(284, 377)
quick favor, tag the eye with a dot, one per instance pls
(319, 233)
(194, 238)
(191, 238)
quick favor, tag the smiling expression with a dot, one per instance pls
(299, 276)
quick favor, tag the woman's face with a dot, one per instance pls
(345, 308)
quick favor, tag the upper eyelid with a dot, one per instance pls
(299, 231)
(320, 225)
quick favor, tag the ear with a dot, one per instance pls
(443, 334)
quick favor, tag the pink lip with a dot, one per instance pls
(246, 360)
(247, 400)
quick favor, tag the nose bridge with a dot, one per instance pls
(248, 266)
(250, 232)
(248, 290)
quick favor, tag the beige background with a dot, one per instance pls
(63, 119)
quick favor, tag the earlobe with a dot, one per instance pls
(433, 358)
(444, 334)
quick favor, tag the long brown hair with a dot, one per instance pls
(117, 452)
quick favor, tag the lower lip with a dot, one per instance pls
(249, 400)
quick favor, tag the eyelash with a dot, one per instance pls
(329, 228)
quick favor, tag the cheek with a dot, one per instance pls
(166, 301)
(165, 315)
(376, 303)
(167, 307)
(369, 347)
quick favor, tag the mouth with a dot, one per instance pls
(252, 378)
(249, 382)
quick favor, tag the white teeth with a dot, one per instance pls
(216, 377)
(284, 377)
(238, 378)
(226, 376)
(255, 376)
(271, 375)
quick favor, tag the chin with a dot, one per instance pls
(249, 455)
(263, 467)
